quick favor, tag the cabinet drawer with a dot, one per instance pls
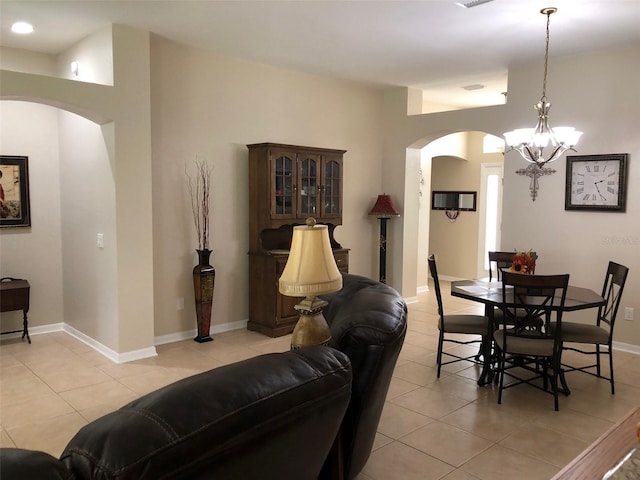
(342, 261)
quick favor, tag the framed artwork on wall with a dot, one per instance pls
(596, 182)
(14, 191)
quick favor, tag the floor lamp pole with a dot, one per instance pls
(383, 249)
(383, 210)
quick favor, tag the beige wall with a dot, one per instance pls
(605, 107)
(201, 104)
(170, 103)
(212, 106)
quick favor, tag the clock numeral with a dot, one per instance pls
(610, 190)
(611, 174)
(596, 168)
(580, 183)
(588, 168)
(579, 191)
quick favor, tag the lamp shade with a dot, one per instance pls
(311, 269)
(384, 207)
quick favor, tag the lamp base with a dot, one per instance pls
(312, 328)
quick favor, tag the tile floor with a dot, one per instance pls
(431, 428)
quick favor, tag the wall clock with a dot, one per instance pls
(596, 182)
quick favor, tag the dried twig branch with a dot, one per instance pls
(199, 188)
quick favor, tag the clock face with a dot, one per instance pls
(595, 183)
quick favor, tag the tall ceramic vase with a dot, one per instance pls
(204, 277)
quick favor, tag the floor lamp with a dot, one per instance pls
(384, 210)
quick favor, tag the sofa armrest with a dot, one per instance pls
(268, 417)
(20, 464)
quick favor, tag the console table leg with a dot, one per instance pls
(25, 328)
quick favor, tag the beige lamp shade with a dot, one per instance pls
(311, 269)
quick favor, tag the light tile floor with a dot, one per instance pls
(431, 428)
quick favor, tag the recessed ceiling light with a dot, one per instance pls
(22, 28)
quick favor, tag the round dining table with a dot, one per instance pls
(490, 294)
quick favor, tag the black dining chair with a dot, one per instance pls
(599, 334)
(503, 260)
(500, 260)
(519, 347)
(477, 325)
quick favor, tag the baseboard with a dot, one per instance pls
(179, 336)
(626, 347)
(133, 354)
(109, 353)
(189, 334)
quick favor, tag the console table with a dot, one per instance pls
(14, 295)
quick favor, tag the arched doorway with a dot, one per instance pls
(454, 161)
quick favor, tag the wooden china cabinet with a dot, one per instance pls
(287, 184)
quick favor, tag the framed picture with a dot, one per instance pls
(596, 182)
(14, 191)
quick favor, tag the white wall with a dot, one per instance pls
(34, 253)
(123, 111)
(87, 197)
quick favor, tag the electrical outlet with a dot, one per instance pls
(100, 240)
(628, 313)
(180, 303)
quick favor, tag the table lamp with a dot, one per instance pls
(384, 210)
(310, 271)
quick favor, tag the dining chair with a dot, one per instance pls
(504, 260)
(599, 334)
(501, 260)
(522, 350)
(477, 325)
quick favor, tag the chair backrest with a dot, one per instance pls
(612, 293)
(501, 260)
(528, 297)
(436, 283)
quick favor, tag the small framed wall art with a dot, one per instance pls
(14, 191)
(596, 182)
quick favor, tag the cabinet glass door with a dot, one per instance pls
(332, 188)
(308, 186)
(284, 187)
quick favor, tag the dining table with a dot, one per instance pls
(490, 295)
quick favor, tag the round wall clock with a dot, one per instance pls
(596, 182)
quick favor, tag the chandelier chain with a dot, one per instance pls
(546, 59)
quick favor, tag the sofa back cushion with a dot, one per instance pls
(262, 418)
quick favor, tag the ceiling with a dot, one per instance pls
(434, 45)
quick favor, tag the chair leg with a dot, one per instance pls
(598, 359)
(501, 375)
(439, 360)
(555, 388)
(613, 388)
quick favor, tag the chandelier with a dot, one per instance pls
(542, 144)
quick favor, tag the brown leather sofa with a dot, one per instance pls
(300, 415)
